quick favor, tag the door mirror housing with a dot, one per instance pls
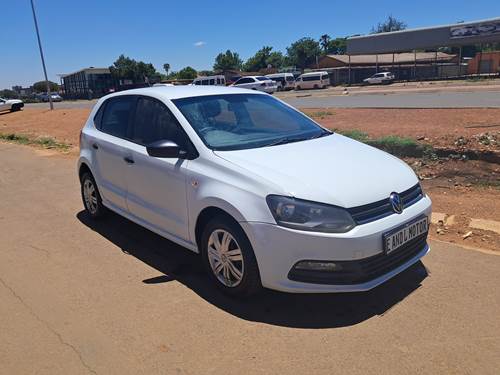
(165, 149)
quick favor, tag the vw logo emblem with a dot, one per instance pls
(396, 203)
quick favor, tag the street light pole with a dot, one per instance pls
(41, 55)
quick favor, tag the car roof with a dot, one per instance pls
(177, 92)
(314, 73)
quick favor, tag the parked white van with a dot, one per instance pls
(219, 80)
(313, 80)
(285, 81)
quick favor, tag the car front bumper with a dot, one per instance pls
(278, 249)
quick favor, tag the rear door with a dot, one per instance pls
(111, 149)
(157, 186)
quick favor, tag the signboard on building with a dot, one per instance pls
(480, 29)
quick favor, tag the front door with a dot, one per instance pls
(157, 186)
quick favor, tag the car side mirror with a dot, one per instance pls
(165, 149)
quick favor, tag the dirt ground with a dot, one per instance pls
(80, 296)
(467, 189)
(466, 128)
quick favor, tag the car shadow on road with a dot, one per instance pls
(281, 309)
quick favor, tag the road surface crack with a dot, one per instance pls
(47, 325)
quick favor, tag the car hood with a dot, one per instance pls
(333, 169)
(13, 101)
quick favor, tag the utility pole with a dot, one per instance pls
(41, 55)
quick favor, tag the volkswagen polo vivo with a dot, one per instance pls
(265, 195)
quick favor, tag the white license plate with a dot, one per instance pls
(402, 235)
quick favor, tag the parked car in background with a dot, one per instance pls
(233, 175)
(313, 80)
(11, 104)
(259, 83)
(218, 80)
(380, 79)
(285, 81)
(54, 96)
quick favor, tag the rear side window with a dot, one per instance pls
(116, 116)
(310, 78)
(154, 122)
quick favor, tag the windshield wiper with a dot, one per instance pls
(283, 141)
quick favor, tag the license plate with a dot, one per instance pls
(396, 238)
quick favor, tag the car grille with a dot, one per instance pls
(377, 210)
(362, 270)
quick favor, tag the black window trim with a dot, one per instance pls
(192, 152)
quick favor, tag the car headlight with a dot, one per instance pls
(310, 216)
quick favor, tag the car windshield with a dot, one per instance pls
(243, 121)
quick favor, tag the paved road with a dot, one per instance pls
(83, 297)
(401, 100)
(323, 99)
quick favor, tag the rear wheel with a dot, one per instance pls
(229, 258)
(316, 87)
(91, 198)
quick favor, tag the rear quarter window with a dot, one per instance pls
(116, 116)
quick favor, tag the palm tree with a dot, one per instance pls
(324, 40)
(166, 67)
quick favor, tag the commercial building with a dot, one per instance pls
(400, 46)
(405, 66)
(87, 83)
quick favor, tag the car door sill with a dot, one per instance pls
(152, 228)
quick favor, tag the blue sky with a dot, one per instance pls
(78, 34)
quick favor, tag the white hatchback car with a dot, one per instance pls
(380, 78)
(265, 195)
(11, 104)
(259, 83)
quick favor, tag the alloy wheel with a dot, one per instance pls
(225, 258)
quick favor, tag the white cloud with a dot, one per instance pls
(201, 43)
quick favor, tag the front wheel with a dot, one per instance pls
(15, 108)
(229, 259)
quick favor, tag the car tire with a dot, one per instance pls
(91, 197)
(316, 87)
(298, 88)
(15, 108)
(237, 274)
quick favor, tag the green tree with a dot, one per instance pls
(337, 46)
(262, 59)
(324, 41)
(228, 60)
(41, 86)
(275, 59)
(166, 67)
(9, 94)
(303, 52)
(390, 24)
(137, 71)
(187, 73)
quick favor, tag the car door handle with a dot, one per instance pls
(128, 160)
(95, 146)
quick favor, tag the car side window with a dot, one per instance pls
(153, 122)
(116, 116)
